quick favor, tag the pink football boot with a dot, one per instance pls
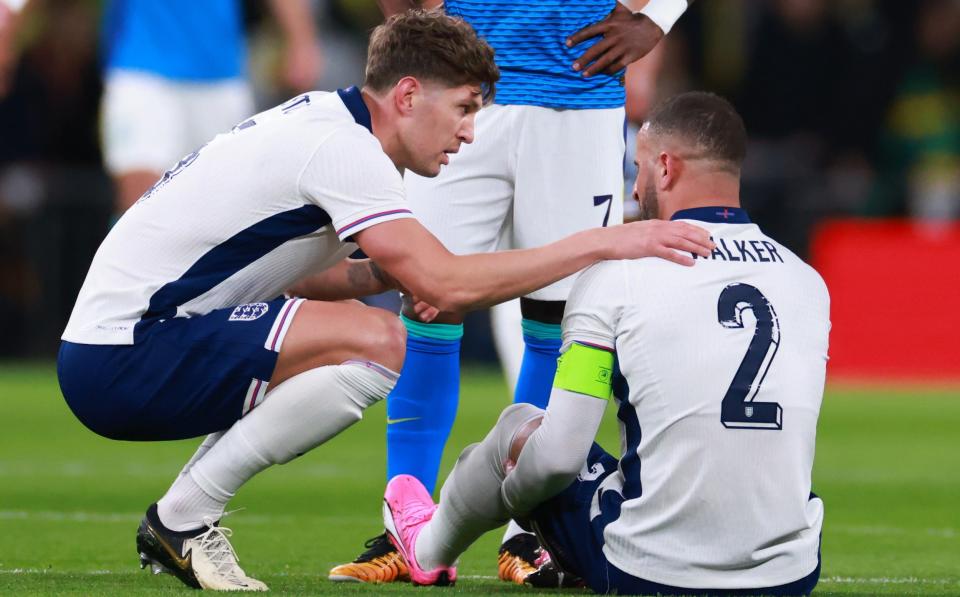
(407, 506)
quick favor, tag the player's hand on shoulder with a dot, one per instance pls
(660, 238)
(626, 37)
(424, 310)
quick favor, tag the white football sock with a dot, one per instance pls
(186, 506)
(184, 501)
(297, 416)
(202, 449)
(470, 500)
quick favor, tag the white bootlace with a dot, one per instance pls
(215, 544)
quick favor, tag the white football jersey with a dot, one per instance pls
(726, 362)
(242, 218)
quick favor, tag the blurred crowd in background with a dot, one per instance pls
(853, 108)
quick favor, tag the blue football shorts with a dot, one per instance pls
(575, 541)
(183, 377)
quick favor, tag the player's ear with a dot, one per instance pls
(404, 94)
(668, 169)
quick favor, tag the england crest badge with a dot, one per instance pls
(249, 312)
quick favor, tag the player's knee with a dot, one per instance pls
(521, 436)
(516, 424)
(385, 339)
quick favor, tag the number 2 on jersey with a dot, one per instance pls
(738, 410)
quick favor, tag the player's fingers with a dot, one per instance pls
(675, 256)
(694, 233)
(592, 54)
(425, 311)
(700, 246)
(615, 67)
(586, 33)
(609, 57)
(689, 246)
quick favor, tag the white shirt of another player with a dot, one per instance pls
(242, 218)
(715, 480)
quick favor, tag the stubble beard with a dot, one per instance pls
(649, 203)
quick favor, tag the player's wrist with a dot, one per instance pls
(598, 244)
(664, 13)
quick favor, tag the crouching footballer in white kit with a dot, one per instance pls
(182, 328)
(725, 362)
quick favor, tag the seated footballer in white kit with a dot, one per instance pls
(725, 362)
(181, 328)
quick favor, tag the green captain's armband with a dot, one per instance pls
(585, 370)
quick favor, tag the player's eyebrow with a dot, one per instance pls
(475, 102)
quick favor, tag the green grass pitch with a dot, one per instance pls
(888, 468)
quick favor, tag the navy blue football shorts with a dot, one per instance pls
(575, 541)
(183, 377)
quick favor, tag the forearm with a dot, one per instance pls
(470, 282)
(295, 19)
(349, 279)
(422, 266)
(555, 452)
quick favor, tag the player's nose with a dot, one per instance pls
(466, 131)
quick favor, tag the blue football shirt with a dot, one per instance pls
(187, 40)
(529, 37)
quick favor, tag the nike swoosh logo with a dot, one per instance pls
(184, 563)
(394, 421)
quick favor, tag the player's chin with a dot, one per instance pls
(429, 170)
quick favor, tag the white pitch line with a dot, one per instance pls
(943, 532)
(64, 572)
(130, 517)
(77, 516)
(883, 580)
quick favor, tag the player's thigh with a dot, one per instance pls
(467, 204)
(182, 377)
(330, 333)
(214, 108)
(569, 178)
(141, 123)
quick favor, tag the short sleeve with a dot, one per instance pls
(354, 181)
(594, 306)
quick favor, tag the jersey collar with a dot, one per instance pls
(354, 102)
(719, 215)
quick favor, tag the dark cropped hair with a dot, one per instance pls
(431, 46)
(705, 121)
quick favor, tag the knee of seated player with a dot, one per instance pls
(516, 424)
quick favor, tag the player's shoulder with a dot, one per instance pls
(339, 139)
(802, 272)
(600, 272)
(315, 114)
(603, 281)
